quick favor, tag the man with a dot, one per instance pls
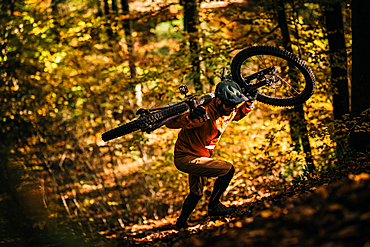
(196, 142)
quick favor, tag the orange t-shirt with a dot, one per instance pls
(200, 139)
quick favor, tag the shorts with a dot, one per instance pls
(199, 168)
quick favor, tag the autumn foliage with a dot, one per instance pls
(71, 70)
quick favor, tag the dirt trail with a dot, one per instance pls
(330, 210)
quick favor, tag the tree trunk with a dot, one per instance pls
(360, 100)
(297, 122)
(107, 24)
(191, 25)
(99, 8)
(338, 59)
(106, 7)
(127, 26)
(338, 67)
(114, 7)
(11, 7)
(54, 6)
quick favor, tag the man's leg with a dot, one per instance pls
(220, 186)
(201, 167)
(187, 208)
(196, 185)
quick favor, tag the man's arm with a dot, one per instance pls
(247, 106)
(243, 110)
(190, 120)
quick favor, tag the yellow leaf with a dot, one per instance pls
(362, 176)
(266, 213)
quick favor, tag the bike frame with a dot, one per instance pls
(191, 102)
(153, 118)
(166, 106)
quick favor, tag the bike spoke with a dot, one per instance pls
(288, 85)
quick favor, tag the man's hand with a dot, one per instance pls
(200, 113)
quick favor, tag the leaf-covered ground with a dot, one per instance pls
(329, 210)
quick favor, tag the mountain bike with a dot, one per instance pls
(280, 78)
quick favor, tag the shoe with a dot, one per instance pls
(181, 225)
(220, 210)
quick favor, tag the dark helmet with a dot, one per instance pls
(229, 92)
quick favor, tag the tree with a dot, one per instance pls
(191, 25)
(360, 100)
(108, 16)
(337, 58)
(297, 122)
(127, 27)
(338, 66)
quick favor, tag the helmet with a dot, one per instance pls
(229, 92)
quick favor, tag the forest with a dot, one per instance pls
(72, 70)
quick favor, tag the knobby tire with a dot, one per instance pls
(293, 61)
(144, 121)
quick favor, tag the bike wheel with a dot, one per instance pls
(292, 84)
(145, 121)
